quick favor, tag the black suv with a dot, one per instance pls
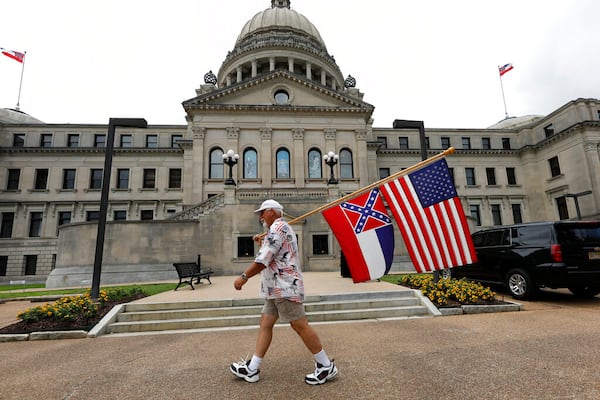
(525, 257)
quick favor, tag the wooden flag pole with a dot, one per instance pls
(380, 182)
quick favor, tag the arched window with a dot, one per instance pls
(250, 164)
(314, 164)
(282, 164)
(215, 168)
(346, 164)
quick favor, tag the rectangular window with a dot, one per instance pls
(152, 141)
(35, 224)
(122, 178)
(92, 215)
(120, 215)
(46, 140)
(475, 213)
(73, 141)
(126, 141)
(146, 215)
(445, 142)
(496, 214)
(96, 178)
(149, 178)
(19, 140)
(491, 176)
(384, 173)
(7, 224)
(549, 130)
(68, 179)
(451, 171)
(41, 179)
(64, 217)
(554, 166)
(383, 141)
(175, 178)
(14, 176)
(175, 139)
(511, 177)
(516, 212)
(486, 144)
(466, 143)
(3, 265)
(470, 176)
(245, 246)
(320, 244)
(30, 264)
(99, 140)
(506, 143)
(403, 142)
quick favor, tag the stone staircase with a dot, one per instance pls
(137, 318)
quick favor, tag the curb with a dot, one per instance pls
(480, 309)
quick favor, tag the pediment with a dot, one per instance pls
(259, 93)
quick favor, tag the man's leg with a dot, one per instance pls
(325, 369)
(265, 334)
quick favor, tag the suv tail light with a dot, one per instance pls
(556, 253)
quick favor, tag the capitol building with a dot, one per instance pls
(281, 103)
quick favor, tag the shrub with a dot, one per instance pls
(446, 291)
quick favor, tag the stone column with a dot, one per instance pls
(272, 64)
(308, 70)
(360, 164)
(239, 74)
(592, 155)
(266, 157)
(254, 68)
(193, 171)
(291, 64)
(299, 164)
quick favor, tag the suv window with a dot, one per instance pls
(578, 234)
(492, 238)
(528, 235)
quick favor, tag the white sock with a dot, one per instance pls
(255, 362)
(322, 358)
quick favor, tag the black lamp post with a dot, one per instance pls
(230, 158)
(112, 124)
(331, 159)
(575, 197)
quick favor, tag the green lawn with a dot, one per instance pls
(13, 291)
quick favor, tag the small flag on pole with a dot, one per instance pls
(15, 55)
(505, 68)
(365, 233)
(431, 218)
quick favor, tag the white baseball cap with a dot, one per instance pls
(269, 204)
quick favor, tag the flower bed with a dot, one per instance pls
(72, 312)
(450, 292)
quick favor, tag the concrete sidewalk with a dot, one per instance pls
(315, 283)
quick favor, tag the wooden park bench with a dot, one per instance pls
(188, 271)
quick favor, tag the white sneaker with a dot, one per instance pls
(242, 370)
(322, 374)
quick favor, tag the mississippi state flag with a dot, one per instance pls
(505, 68)
(365, 234)
(431, 219)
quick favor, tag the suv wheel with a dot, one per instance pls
(520, 284)
(584, 291)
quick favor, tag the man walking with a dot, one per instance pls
(282, 286)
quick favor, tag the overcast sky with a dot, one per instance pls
(430, 60)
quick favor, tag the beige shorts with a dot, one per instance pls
(284, 309)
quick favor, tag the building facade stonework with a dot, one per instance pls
(280, 101)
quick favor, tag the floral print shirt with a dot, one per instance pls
(282, 277)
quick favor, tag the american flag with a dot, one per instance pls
(431, 218)
(15, 55)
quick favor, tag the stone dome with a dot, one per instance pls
(280, 38)
(12, 116)
(280, 15)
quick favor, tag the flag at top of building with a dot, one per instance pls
(365, 233)
(431, 218)
(15, 55)
(505, 68)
